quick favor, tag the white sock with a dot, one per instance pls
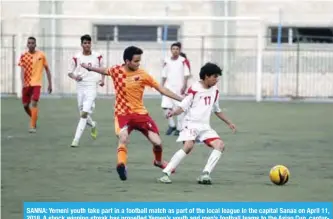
(90, 121)
(212, 160)
(80, 128)
(170, 120)
(179, 121)
(175, 161)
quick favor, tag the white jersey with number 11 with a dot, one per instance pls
(199, 103)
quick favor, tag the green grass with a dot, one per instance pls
(42, 166)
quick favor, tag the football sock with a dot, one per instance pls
(175, 161)
(80, 128)
(171, 122)
(34, 117)
(27, 110)
(158, 150)
(122, 154)
(212, 160)
(90, 121)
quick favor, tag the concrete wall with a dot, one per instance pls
(241, 50)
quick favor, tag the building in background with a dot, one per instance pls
(300, 66)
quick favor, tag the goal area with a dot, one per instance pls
(237, 52)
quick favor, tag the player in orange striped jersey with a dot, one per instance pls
(32, 63)
(130, 114)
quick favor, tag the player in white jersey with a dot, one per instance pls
(201, 100)
(175, 75)
(87, 83)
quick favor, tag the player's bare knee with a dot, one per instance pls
(84, 115)
(26, 105)
(218, 145)
(34, 103)
(188, 146)
(155, 139)
(123, 138)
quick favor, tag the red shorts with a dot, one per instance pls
(30, 93)
(142, 123)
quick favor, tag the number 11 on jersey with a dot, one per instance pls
(207, 100)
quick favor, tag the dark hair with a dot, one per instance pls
(210, 69)
(178, 44)
(32, 38)
(85, 37)
(130, 51)
(183, 55)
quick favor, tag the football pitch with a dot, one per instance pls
(42, 166)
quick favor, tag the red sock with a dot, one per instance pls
(158, 150)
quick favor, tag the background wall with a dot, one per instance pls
(303, 63)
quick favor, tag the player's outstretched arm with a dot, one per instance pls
(175, 112)
(49, 78)
(165, 91)
(102, 71)
(224, 118)
(183, 106)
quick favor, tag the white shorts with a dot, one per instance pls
(86, 99)
(169, 103)
(192, 133)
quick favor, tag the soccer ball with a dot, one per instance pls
(279, 175)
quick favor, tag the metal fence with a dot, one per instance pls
(293, 71)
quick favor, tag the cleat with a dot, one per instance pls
(164, 179)
(162, 165)
(94, 132)
(176, 133)
(32, 130)
(204, 179)
(75, 144)
(170, 130)
(122, 172)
